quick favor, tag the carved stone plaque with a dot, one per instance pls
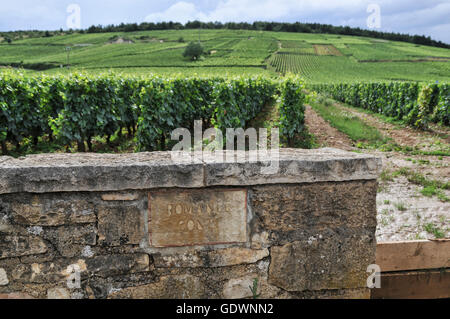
(197, 217)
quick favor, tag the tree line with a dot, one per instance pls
(256, 26)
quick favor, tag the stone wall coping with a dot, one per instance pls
(47, 173)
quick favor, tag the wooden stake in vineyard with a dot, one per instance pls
(68, 49)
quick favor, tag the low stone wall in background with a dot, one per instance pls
(146, 226)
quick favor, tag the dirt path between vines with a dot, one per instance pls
(403, 213)
(431, 140)
(404, 136)
(325, 134)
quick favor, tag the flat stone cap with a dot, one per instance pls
(46, 173)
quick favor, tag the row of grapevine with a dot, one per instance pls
(292, 109)
(302, 64)
(77, 108)
(167, 104)
(416, 104)
(294, 44)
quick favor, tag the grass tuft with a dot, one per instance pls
(351, 125)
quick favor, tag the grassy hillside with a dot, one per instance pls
(317, 57)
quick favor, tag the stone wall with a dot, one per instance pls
(146, 226)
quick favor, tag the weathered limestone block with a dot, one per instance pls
(120, 225)
(7, 225)
(51, 210)
(96, 172)
(260, 240)
(70, 241)
(169, 287)
(268, 291)
(118, 172)
(294, 166)
(38, 273)
(240, 288)
(112, 265)
(289, 208)
(101, 287)
(56, 271)
(15, 295)
(214, 258)
(113, 197)
(329, 261)
(58, 293)
(197, 217)
(120, 197)
(30, 291)
(101, 250)
(18, 245)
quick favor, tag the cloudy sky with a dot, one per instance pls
(429, 17)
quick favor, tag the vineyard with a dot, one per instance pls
(295, 57)
(359, 160)
(298, 63)
(49, 95)
(80, 107)
(414, 103)
(320, 58)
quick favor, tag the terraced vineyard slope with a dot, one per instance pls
(319, 58)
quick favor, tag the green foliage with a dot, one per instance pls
(254, 289)
(126, 107)
(416, 104)
(433, 229)
(240, 100)
(89, 105)
(356, 129)
(305, 28)
(295, 61)
(74, 109)
(193, 51)
(292, 109)
(167, 104)
(80, 108)
(24, 111)
(222, 103)
(441, 111)
(420, 114)
(430, 187)
(235, 53)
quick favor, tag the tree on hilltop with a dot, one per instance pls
(193, 51)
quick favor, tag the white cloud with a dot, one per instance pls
(407, 16)
(179, 12)
(251, 10)
(423, 17)
(398, 16)
(440, 32)
(25, 16)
